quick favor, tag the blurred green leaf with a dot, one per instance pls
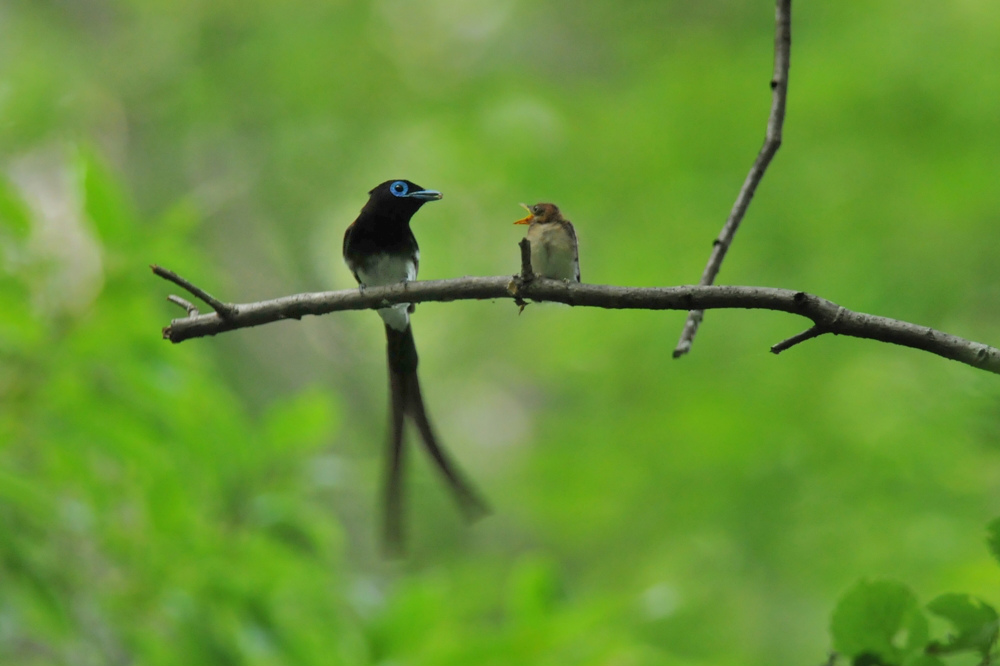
(993, 538)
(180, 220)
(19, 330)
(974, 621)
(25, 497)
(105, 202)
(881, 618)
(533, 589)
(869, 659)
(923, 660)
(15, 217)
(301, 421)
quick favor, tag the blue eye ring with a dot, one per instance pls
(399, 188)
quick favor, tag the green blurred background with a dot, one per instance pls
(214, 502)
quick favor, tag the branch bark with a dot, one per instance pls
(772, 141)
(826, 316)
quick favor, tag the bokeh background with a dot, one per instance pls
(215, 502)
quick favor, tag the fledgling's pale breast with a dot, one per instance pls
(553, 251)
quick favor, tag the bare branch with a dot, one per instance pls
(808, 334)
(184, 303)
(224, 309)
(827, 316)
(772, 141)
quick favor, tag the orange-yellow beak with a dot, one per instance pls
(528, 219)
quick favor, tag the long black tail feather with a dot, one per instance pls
(393, 526)
(406, 399)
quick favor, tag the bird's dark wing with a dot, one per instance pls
(576, 248)
(416, 253)
(348, 251)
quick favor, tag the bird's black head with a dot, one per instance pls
(398, 198)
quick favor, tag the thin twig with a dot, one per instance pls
(826, 315)
(186, 304)
(772, 141)
(516, 285)
(808, 334)
(527, 274)
(225, 310)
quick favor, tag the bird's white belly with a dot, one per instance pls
(385, 270)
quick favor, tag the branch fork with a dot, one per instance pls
(224, 310)
(772, 141)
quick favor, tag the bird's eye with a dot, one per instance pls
(537, 210)
(398, 188)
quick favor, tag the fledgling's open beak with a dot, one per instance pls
(526, 220)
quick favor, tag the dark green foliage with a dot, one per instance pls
(993, 538)
(878, 622)
(973, 621)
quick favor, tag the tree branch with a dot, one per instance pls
(808, 334)
(827, 316)
(516, 286)
(772, 141)
(225, 310)
(184, 303)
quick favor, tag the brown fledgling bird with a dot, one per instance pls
(554, 250)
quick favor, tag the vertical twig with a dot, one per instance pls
(527, 274)
(526, 277)
(772, 141)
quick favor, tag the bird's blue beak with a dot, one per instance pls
(426, 195)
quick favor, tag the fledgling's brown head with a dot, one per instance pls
(541, 213)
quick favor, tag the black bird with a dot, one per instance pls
(380, 249)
